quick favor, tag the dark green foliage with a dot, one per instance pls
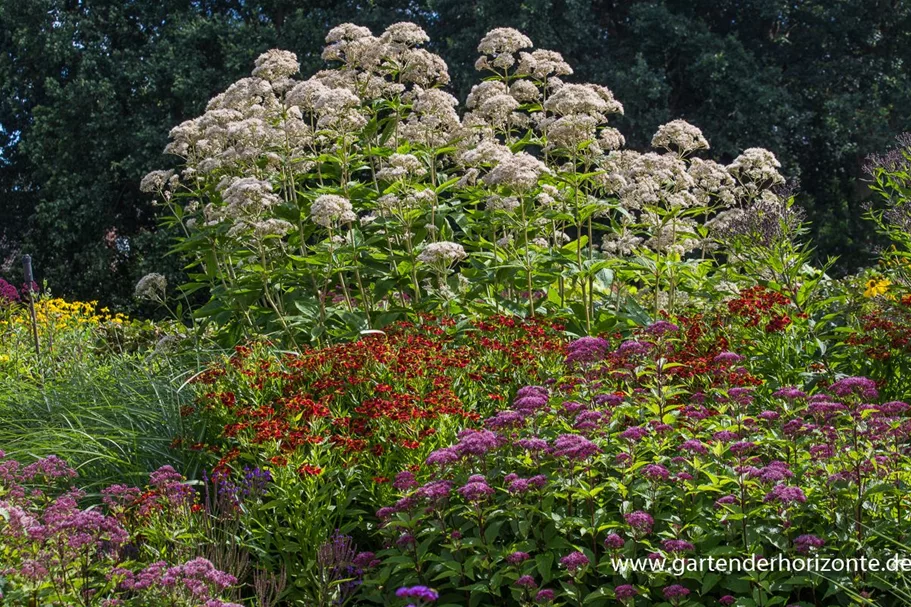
(90, 88)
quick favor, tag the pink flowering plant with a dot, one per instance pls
(659, 447)
(56, 547)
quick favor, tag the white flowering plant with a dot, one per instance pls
(360, 195)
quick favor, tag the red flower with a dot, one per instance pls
(308, 470)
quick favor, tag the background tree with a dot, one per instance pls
(90, 88)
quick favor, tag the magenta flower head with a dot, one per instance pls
(677, 546)
(675, 592)
(789, 393)
(476, 490)
(785, 494)
(629, 349)
(421, 593)
(727, 600)
(505, 419)
(517, 558)
(544, 596)
(532, 444)
(8, 293)
(728, 358)
(574, 447)
(742, 447)
(526, 581)
(803, 544)
(442, 457)
(640, 521)
(48, 469)
(855, 386)
(435, 491)
(613, 542)
(625, 591)
(404, 481)
(477, 442)
(574, 561)
(532, 391)
(655, 472)
(661, 327)
(694, 446)
(587, 350)
(727, 500)
(634, 433)
(725, 436)
(364, 560)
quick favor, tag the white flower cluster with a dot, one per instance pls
(498, 203)
(401, 165)
(246, 196)
(433, 121)
(151, 287)
(157, 181)
(679, 136)
(542, 64)
(269, 137)
(442, 254)
(519, 172)
(498, 47)
(328, 210)
(380, 65)
(275, 64)
(756, 166)
(271, 227)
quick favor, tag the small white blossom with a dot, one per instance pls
(329, 210)
(276, 64)
(503, 40)
(679, 136)
(442, 254)
(271, 227)
(155, 181)
(757, 166)
(151, 287)
(519, 172)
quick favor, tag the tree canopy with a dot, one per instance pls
(90, 88)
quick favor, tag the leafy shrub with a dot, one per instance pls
(347, 200)
(333, 424)
(57, 551)
(657, 447)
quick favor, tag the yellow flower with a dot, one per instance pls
(877, 286)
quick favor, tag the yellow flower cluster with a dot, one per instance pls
(60, 313)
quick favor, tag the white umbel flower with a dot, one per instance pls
(442, 254)
(155, 181)
(519, 172)
(275, 65)
(329, 210)
(151, 287)
(757, 166)
(271, 227)
(503, 40)
(679, 136)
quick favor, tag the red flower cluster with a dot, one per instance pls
(758, 305)
(365, 398)
(883, 334)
